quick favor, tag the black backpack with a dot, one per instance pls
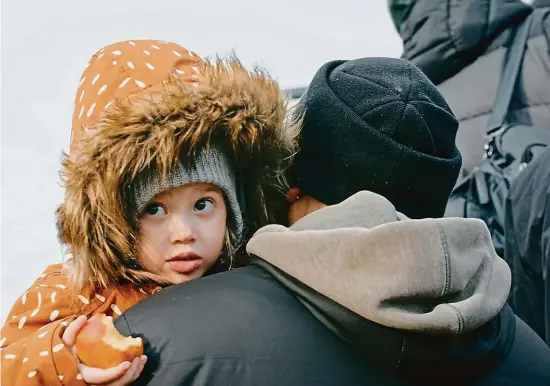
(509, 148)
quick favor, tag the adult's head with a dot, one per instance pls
(377, 124)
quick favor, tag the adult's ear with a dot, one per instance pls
(302, 207)
(293, 194)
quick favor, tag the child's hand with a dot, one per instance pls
(121, 375)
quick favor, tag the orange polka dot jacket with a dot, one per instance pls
(32, 350)
(140, 104)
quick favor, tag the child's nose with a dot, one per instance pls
(182, 230)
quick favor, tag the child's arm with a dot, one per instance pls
(38, 337)
(33, 352)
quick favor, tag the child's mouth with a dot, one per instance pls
(185, 262)
(185, 266)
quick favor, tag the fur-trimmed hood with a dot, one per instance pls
(229, 106)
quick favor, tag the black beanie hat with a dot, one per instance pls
(377, 124)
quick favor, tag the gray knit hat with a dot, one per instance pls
(211, 166)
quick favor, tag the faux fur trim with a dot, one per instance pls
(243, 110)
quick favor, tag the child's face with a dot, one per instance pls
(183, 231)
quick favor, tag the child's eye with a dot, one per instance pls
(204, 205)
(154, 209)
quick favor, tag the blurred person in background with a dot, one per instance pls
(461, 46)
(527, 248)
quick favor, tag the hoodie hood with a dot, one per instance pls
(444, 36)
(427, 291)
(160, 119)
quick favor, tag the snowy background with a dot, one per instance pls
(46, 44)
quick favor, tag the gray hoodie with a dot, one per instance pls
(421, 299)
(429, 275)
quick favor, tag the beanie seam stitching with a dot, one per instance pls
(398, 125)
(372, 81)
(397, 158)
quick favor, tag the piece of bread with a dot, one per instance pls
(100, 345)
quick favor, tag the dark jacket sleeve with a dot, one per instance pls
(240, 328)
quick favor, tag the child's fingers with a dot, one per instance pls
(72, 330)
(143, 361)
(95, 376)
(131, 374)
(127, 378)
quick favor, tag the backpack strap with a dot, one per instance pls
(509, 77)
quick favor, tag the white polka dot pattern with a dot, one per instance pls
(22, 322)
(115, 309)
(124, 82)
(54, 315)
(91, 110)
(142, 64)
